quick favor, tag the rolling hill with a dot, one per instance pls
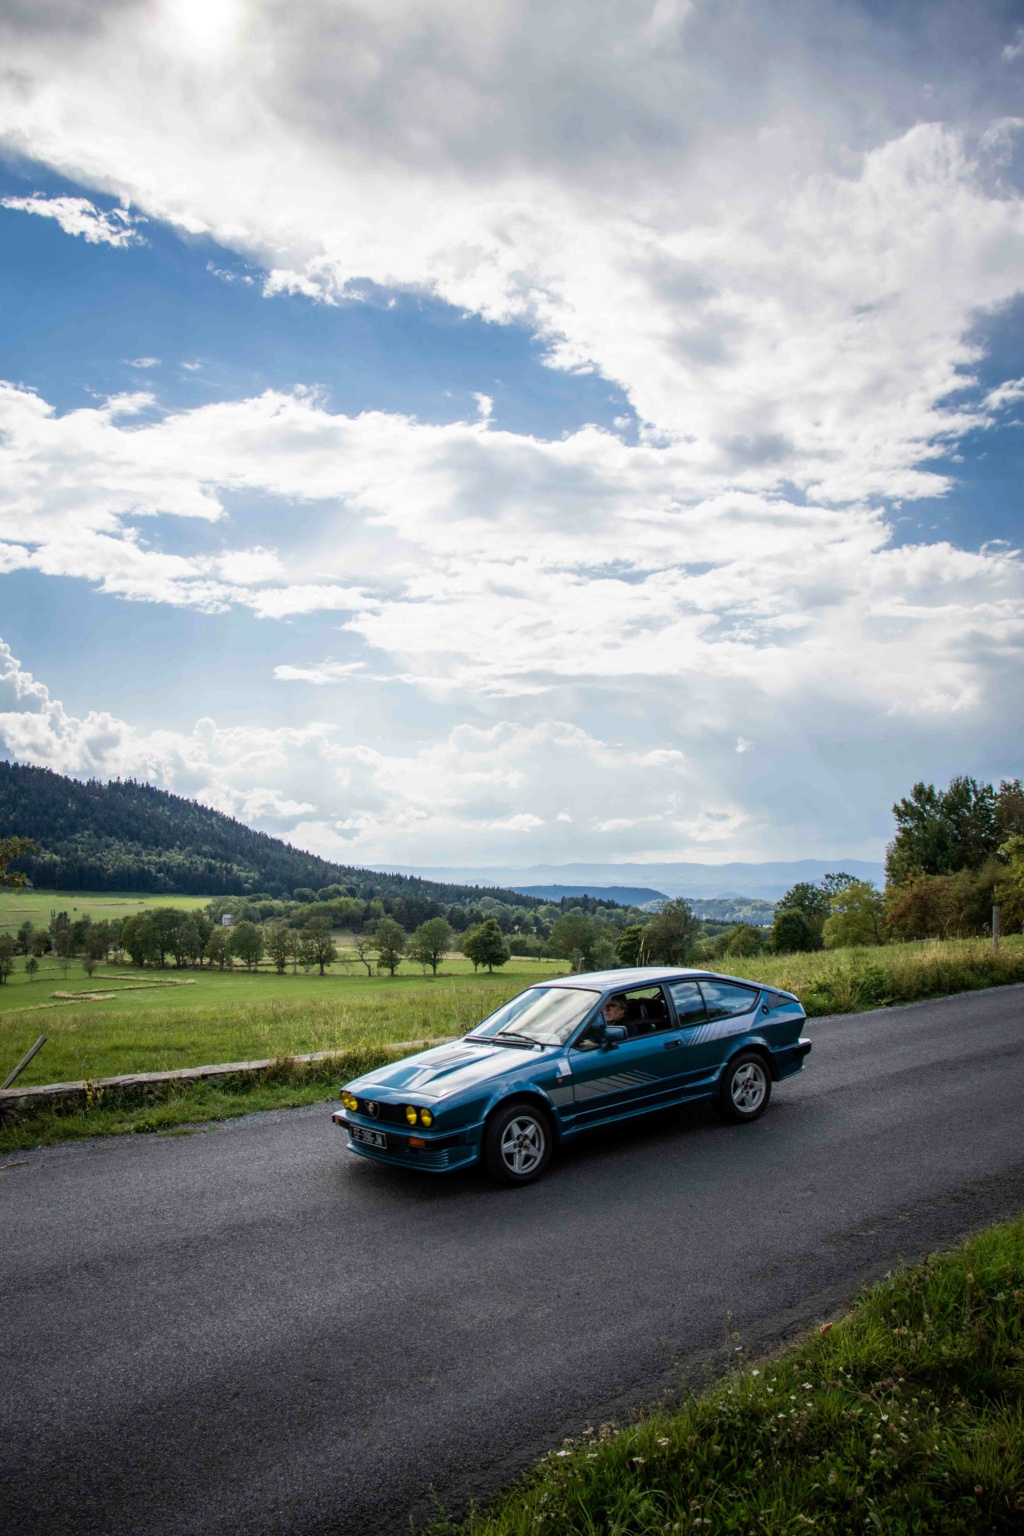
(126, 836)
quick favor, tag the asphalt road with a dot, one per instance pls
(251, 1330)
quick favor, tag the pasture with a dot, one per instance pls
(152, 1021)
(36, 905)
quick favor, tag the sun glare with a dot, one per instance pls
(204, 26)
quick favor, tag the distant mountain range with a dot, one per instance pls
(767, 881)
(626, 895)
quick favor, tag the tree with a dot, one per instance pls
(630, 948)
(941, 831)
(857, 917)
(743, 940)
(246, 941)
(430, 943)
(317, 943)
(672, 934)
(216, 949)
(575, 937)
(89, 964)
(31, 967)
(25, 937)
(793, 932)
(364, 949)
(14, 848)
(165, 925)
(279, 944)
(1009, 892)
(485, 945)
(8, 949)
(137, 938)
(388, 945)
(811, 900)
(304, 893)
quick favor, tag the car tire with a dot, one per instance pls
(746, 1087)
(518, 1143)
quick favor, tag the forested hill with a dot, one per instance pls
(125, 836)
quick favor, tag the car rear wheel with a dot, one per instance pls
(517, 1145)
(746, 1087)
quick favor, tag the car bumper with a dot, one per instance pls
(438, 1154)
(790, 1058)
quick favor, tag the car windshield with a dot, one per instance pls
(543, 1015)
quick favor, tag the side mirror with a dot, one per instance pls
(613, 1035)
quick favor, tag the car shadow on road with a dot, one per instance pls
(613, 1155)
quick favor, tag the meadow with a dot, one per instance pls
(36, 905)
(156, 1021)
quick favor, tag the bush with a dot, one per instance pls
(793, 933)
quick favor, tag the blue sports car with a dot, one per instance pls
(573, 1053)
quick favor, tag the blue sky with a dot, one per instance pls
(534, 435)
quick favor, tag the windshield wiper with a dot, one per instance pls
(504, 1037)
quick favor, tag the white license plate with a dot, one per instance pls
(368, 1138)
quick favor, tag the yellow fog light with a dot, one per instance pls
(349, 1100)
(410, 1114)
(426, 1118)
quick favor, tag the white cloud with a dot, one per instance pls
(326, 672)
(781, 265)
(143, 362)
(78, 216)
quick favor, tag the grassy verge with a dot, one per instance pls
(168, 1105)
(905, 1417)
(846, 980)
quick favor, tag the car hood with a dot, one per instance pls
(447, 1069)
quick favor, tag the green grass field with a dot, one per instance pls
(159, 1020)
(36, 905)
(906, 1416)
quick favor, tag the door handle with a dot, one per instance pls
(670, 1043)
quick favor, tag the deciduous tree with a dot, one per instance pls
(631, 946)
(8, 949)
(14, 848)
(317, 943)
(672, 934)
(485, 945)
(857, 917)
(388, 945)
(246, 941)
(279, 943)
(430, 943)
(793, 932)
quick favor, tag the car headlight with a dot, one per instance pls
(349, 1100)
(426, 1118)
(410, 1114)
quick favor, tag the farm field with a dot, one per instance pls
(161, 1020)
(36, 905)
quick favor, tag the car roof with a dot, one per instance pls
(644, 975)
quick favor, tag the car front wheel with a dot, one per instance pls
(517, 1144)
(746, 1087)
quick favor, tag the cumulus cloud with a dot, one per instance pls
(780, 261)
(78, 216)
(495, 787)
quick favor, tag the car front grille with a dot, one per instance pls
(387, 1114)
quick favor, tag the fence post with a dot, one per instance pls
(995, 928)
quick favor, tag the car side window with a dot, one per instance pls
(646, 1011)
(725, 999)
(689, 1003)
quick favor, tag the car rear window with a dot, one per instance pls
(725, 998)
(689, 1003)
